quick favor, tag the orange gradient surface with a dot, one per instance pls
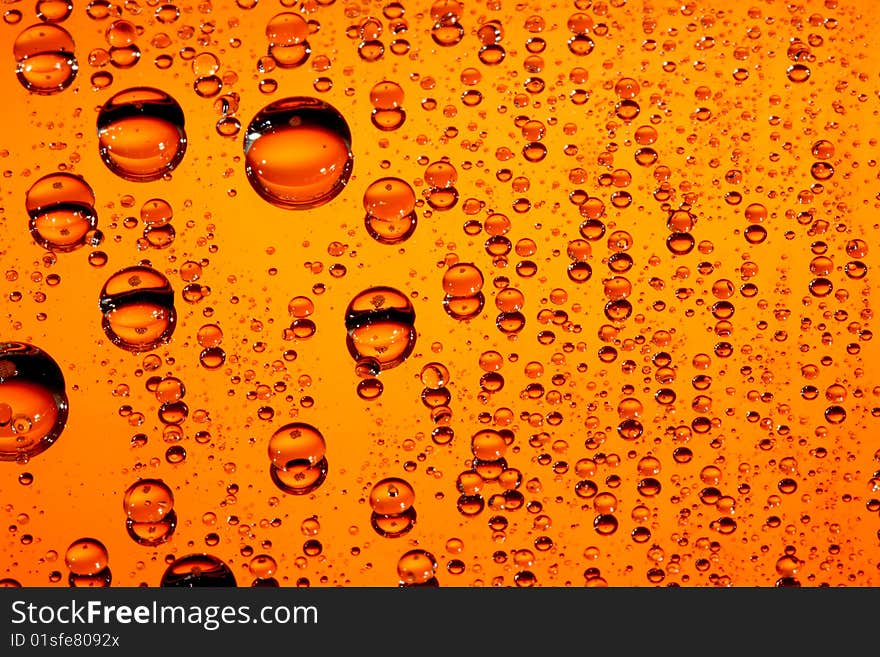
(577, 294)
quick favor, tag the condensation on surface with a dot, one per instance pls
(326, 293)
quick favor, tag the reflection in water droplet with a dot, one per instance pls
(299, 479)
(137, 306)
(298, 153)
(464, 308)
(33, 401)
(100, 580)
(212, 357)
(141, 134)
(151, 534)
(394, 525)
(370, 388)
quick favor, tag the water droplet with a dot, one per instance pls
(488, 445)
(61, 210)
(197, 570)
(393, 525)
(298, 153)
(390, 206)
(137, 306)
(53, 11)
(212, 357)
(370, 388)
(149, 507)
(101, 579)
(464, 308)
(287, 29)
(86, 556)
(434, 375)
(156, 212)
(296, 445)
(380, 325)
(263, 566)
(417, 568)
(391, 496)
(141, 134)
(45, 63)
(462, 279)
(299, 479)
(387, 100)
(208, 86)
(33, 401)
(148, 500)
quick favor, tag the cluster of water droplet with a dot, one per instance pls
(595, 215)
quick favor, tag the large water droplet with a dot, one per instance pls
(45, 63)
(298, 153)
(141, 134)
(61, 207)
(33, 401)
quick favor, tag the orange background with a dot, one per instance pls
(257, 257)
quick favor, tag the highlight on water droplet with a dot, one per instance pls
(137, 307)
(33, 401)
(141, 135)
(298, 153)
(61, 207)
